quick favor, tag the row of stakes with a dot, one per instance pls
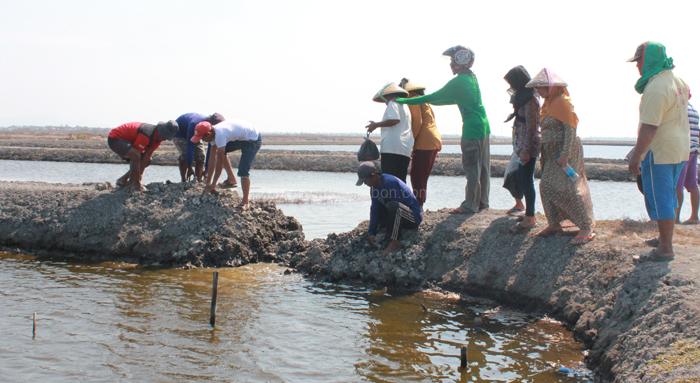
(212, 318)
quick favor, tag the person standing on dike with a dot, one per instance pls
(397, 138)
(563, 186)
(526, 139)
(463, 90)
(428, 141)
(663, 141)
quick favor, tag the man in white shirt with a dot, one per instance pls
(228, 136)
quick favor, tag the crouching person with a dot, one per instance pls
(136, 142)
(394, 207)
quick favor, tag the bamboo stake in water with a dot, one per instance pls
(214, 293)
(463, 358)
(34, 326)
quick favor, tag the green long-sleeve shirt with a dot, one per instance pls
(462, 90)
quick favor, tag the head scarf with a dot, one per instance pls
(654, 61)
(461, 55)
(517, 78)
(557, 104)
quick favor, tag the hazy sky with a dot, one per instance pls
(313, 66)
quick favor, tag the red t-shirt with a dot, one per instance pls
(130, 132)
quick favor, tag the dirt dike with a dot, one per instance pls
(95, 150)
(169, 225)
(639, 321)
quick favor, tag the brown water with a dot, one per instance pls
(118, 322)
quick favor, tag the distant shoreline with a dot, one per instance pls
(93, 148)
(348, 138)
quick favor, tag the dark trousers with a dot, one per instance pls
(525, 178)
(421, 165)
(395, 164)
(396, 216)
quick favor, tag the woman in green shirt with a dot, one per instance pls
(463, 91)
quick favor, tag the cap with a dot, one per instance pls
(201, 130)
(364, 171)
(638, 54)
(167, 130)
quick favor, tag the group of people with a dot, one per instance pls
(544, 127)
(135, 142)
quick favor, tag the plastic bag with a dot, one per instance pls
(510, 177)
(368, 150)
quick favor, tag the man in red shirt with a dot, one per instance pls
(136, 142)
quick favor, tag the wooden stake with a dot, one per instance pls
(463, 358)
(34, 326)
(214, 293)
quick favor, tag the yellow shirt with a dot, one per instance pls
(425, 132)
(665, 105)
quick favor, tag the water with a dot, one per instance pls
(590, 151)
(329, 202)
(112, 322)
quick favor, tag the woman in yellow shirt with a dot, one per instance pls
(428, 141)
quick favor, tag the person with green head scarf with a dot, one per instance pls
(663, 141)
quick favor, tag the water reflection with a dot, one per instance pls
(115, 321)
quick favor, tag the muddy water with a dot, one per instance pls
(115, 322)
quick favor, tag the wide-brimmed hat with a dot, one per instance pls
(410, 85)
(546, 78)
(201, 130)
(390, 88)
(167, 130)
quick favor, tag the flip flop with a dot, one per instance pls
(583, 239)
(514, 211)
(546, 232)
(653, 256)
(228, 185)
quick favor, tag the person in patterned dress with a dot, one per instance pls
(563, 187)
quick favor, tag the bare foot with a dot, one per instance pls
(122, 181)
(549, 231)
(243, 205)
(652, 242)
(584, 236)
(461, 210)
(691, 222)
(136, 188)
(654, 256)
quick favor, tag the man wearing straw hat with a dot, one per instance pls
(463, 90)
(663, 141)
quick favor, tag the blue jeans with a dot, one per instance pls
(249, 149)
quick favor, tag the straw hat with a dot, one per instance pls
(411, 86)
(546, 78)
(390, 88)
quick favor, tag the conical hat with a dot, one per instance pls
(410, 85)
(546, 78)
(390, 88)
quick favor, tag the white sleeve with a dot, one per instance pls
(391, 112)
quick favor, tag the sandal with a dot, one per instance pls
(228, 185)
(583, 239)
(548, 232)
(515, 211)
(653, 256)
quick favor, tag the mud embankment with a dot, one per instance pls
(94, 149)
(640, 321)
(169, 225)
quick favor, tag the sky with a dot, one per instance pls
(313, 66)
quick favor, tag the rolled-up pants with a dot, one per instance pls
(476, 162)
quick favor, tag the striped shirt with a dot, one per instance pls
(694, 130)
